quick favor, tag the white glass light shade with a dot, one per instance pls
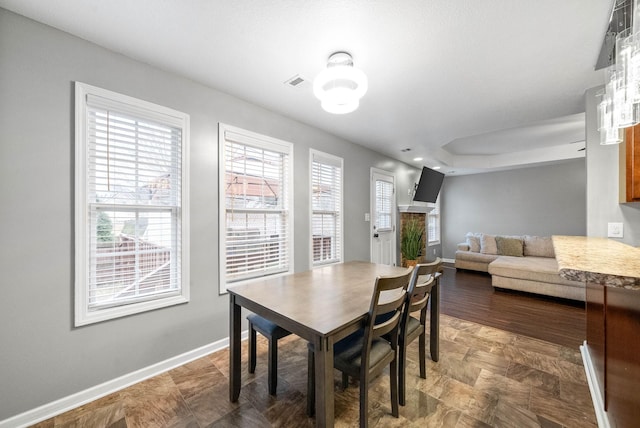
(339, 88)
(342, 108)
(340, 80)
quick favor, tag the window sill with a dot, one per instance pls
(90, 317)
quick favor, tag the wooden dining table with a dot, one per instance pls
(322, 306)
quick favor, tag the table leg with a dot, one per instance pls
(324, 382)
(434, 333)
(235, 373)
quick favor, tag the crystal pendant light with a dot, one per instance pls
(620, 105)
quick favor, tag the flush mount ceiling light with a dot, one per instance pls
(340, 86)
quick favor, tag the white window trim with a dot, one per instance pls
(438, 223)
(83, 315)
(335, 159)
(264, 142)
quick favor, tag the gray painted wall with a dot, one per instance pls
(603, 204)
(544, 200)
(42, 357)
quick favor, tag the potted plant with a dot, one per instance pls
(411, 241)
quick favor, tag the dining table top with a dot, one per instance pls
(322, 299)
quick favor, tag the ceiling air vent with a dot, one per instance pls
(297, 81)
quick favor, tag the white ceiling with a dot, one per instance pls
(468, 84)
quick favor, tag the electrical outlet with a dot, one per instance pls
(367, 217)
(615, 230)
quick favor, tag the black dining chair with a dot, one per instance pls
(272, 332)
(424, 277)
(365, 353)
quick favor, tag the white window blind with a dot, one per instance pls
(384, 202)
(433, 227)
(326, 206)
(256, 222)
(130, 205)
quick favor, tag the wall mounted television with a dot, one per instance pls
(429, 185)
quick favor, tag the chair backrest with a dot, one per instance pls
(389, 297)
(422, 281)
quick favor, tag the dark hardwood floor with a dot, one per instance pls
(469, 295)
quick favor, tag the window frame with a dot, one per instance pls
(260, 141)
(390, 198)
(141, 109)
(434, 213)
(329, 159)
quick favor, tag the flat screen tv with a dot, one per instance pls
(429, 185)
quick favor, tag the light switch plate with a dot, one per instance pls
(615, 230)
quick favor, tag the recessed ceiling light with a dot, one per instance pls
(436, 167)
(408, 149)
(417, 159)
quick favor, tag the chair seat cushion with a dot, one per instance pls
(348, 352)
(266, 327)
(413, 325)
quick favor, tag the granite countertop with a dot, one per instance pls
(598, 260)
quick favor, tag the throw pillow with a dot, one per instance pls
(488, 244)
(538, 246)
(509, 246)
(473, 240)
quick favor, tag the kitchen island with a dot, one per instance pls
(611, 351)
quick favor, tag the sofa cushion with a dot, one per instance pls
(473, 240)
(470, 256)
(463, 246)
(538, 246)
(509, 246)
(488, 244)
(541, 269)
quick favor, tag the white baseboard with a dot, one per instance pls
(594, 388)
(449, 260)
(70, 402)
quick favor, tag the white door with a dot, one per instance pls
(383, 218)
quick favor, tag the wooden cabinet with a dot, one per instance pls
(613, 323)
(630, 165)
(611, 271)
(622, 350)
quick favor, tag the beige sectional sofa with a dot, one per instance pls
(524, 263)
